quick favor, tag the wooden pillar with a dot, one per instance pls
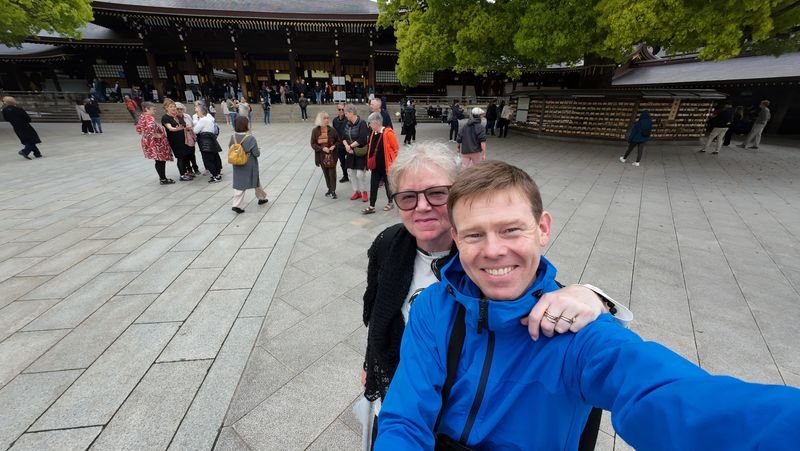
(371, 67)
(292, 68)
(158, 82)
(240, 71)
(337, 60)
(256, 85)
(371, 75)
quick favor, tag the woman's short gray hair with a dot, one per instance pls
(147, 105)
(350, 108)
(320, 116)
(201, 109)
(428, 155)
(375, 117)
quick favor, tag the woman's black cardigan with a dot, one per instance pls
(389, 276)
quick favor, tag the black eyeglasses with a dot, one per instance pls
(435, 195)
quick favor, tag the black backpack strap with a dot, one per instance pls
(454, 347)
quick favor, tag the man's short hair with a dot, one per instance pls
(350, 108)
(491, 177)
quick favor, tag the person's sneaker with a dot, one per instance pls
(218, 178)
(635, 163)
(185, 178)
(701, 151)
(333, 196)
(213, 180)
(167, 181)
(22, 154)
(328, 194)
(364, 197)
(344, 180)
(714, 153)
(39, 156)
(622, 159)
(355, 196)
(197, 172)
(262, 201)
(237, 210)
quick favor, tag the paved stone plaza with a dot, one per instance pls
(140, 316)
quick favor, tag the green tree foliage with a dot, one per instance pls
(514, 36)
(21, 19)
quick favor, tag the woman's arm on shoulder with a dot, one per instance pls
(570, 309)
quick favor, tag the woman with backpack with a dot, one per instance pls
(638, 134)
(245, 176)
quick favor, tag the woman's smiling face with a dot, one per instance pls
(429, 224)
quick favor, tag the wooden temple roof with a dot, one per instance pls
(664, 72)
(337, 10)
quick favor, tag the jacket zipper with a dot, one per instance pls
(487, 365)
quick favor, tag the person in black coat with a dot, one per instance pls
(491, 117)
(409, 118)
(93, 110)
(21, 122)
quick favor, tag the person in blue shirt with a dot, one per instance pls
(501, 390)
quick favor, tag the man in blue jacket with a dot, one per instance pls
(509, 392)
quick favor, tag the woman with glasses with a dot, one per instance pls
(405, 258)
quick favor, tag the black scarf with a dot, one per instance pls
(389, 276)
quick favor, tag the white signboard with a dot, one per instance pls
(339, 96)
(189, 96)
(338, 81)
(522, 109)
(191, 79)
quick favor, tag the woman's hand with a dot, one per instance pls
(572, 307)
(363, 378)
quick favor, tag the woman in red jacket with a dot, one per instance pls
(154, 141)
(382, 150)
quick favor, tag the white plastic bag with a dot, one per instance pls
(364, 410)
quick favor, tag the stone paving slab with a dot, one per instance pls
(26, 397)
(115, 275)
(62, 440)
(148, 418)
(95, 397)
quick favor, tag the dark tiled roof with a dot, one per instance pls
(91, 32)
(31, 52)
(745, 68)
(260, 7)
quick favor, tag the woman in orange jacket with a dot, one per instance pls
(381, 152)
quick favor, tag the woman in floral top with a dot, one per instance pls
(154, 141)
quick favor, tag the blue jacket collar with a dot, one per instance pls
(496, 315)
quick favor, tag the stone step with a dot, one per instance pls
(117, 112)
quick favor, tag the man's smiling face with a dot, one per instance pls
(500, 242)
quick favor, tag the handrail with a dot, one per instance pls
(448, 100)
(45, 97)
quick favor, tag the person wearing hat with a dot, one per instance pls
(471, 140)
